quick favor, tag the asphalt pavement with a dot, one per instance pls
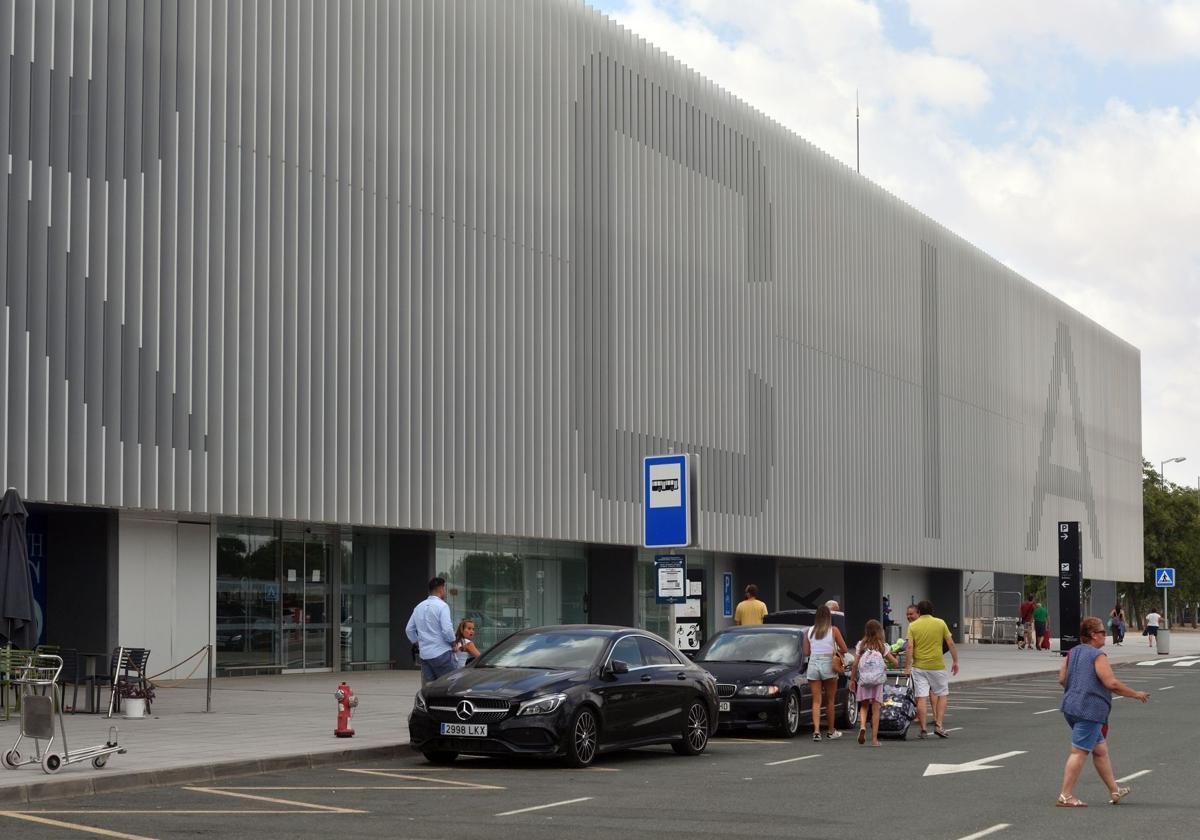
(997, 775)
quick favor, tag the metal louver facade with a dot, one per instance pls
(458, 265)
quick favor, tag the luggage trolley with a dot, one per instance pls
(38, 678)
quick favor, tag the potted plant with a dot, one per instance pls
(135, 698)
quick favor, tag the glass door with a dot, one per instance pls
(306, 596)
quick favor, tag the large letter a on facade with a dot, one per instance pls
(1054, 479)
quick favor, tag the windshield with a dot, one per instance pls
(545, 650)
(776, 648)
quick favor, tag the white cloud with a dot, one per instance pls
(1101, 210)
(1135, 31)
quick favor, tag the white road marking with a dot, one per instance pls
(1047, 711)
(968, 708)
(273, 800)
(1166, 688)
(1150, 663)
(1187, 664)
(953, 729)
(985, 832)
(86, 829)
(969, 766)
(790, 760)
(1133, 776)
(997, 702)
(542, 807)
(442, 784)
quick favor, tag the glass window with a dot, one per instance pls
(628, 651)
(510, 585)
(653, 653)
(248, 595)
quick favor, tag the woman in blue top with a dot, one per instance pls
(1089, 682)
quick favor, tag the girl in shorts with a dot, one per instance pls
(869, 697)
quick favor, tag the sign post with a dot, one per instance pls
(1164, 579)
(1070, 585)
(670, 579)
(668, 501)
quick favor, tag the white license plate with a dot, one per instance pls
(469, 730)
(724, 707)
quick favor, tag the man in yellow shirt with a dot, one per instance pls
(926, 666)
(751, 610)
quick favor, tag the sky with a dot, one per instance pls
(1062, 138)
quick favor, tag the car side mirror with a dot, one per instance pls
(618, 667)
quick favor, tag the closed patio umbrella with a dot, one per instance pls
(18, 625)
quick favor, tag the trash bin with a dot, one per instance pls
(1164, 641)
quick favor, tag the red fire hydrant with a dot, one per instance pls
(346, 702)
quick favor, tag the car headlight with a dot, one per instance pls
(541, 705)
(419, 703)
(759, 690)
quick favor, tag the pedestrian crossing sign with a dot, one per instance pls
(1164, 578)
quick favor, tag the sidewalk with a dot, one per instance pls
(282, 722)
(257, 724)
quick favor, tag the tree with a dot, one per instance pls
(1171, 536)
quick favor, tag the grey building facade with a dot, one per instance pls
(296, 291)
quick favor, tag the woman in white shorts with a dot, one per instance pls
(820, 642)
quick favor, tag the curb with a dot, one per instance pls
(41, 791)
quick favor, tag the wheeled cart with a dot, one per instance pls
(898, 708)
(38, 681)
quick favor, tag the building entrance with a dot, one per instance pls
(275, 596)
(305, 587)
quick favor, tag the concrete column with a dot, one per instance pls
(761, 572)
(1103, 596)
(412, 565)
(946, 592)
(612, 584)
(863, 599)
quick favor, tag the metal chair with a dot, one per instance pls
(73, 675)
(127, 666)
(11, 659)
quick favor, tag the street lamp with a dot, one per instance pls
(1162, 480)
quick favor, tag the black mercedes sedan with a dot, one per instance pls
(571, 691)
(759, 671)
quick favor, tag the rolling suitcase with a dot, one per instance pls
(898, 708)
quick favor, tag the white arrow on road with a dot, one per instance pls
(969, 766)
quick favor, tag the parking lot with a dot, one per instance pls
(759, 785)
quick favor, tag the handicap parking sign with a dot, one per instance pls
(1164, 578)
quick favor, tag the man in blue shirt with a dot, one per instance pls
(430, 627)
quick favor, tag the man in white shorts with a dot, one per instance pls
(927, 666)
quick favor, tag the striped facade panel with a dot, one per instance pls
(454, 265)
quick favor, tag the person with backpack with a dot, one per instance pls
(868, 676)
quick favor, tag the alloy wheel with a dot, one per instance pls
(585, 737)
(697, 727)
(792, 714)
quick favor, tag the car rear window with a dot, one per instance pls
(545, 650)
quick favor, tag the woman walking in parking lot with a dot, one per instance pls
(821, 641)
(1089, 682)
